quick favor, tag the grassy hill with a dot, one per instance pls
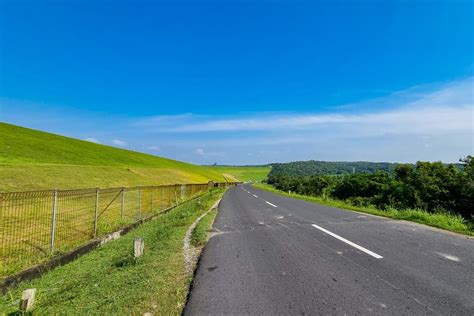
(35, 160)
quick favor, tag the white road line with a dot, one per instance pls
(367, 251)
(254, 195)
(270, 204)
(448, 256)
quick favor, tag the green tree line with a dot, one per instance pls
(431, 186)
(312, 167)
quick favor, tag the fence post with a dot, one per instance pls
(175, 195)
(183, 191)
(123, 204)
(169, 195)
(152, 196)
(53, 219)
(139, 203)
(161, 200)
(96, 211)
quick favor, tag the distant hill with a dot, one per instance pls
(34, 160)
(312, 167)
(244, 173)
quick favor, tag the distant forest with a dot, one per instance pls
(314, 167)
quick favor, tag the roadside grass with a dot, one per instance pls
(199, 234)
(450, 222)
(109, 281)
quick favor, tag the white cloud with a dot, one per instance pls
(447, 109)
(154, 148)
(199, 151)
(92, 140)
(431, 122)
(118, 142)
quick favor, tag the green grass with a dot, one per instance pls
(108, 281)
(199, 234)
(244, 173)
(450, 222)
(35, 160)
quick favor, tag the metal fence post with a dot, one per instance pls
(161, 200)
(169, 195)
(139, 203)
(96, 210)
(53, 219)
(175, 195)
(152, 196)
(183, 191)
(122, 206)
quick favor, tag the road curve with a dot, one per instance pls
(273, 255)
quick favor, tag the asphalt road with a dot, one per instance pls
(273, 255)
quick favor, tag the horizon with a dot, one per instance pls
(245, 83)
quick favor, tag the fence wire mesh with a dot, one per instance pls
(37, 225)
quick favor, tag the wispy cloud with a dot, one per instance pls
(430, 122)
(199, 151)
(153, 148)
(118, 142)
(450, 108)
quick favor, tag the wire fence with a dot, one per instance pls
(38, 225)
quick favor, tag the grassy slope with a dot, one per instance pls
(454, 223)
(247, 173)
(108, 282)
(34, 160)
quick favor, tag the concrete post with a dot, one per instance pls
(27, 301)
(138, 247)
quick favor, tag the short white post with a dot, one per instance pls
(138, 247)
(27, 301)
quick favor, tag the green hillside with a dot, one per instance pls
(35, 160)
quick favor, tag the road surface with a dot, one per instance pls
(273, 255)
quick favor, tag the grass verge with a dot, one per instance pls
(450, 222)
(109, 281)
(199, 234)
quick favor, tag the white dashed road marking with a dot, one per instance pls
(448, 256)
(270, 204)
(367, 251)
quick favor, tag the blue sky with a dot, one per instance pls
(245, 82)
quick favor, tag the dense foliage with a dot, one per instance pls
(434, 187)
(312, 167)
